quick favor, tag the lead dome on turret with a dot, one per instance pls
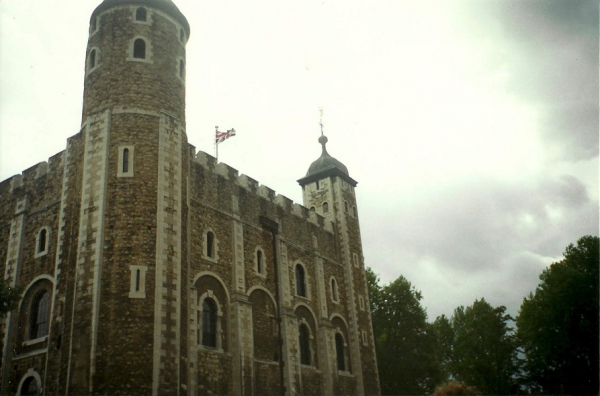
(325, 166)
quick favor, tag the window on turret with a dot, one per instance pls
(181, 35)
(92, 59)
(325, 207)
(354, 211)
(141, 14)
(94, 25)
(139, 49)
(125, 168)
(181, 68)
(346, 206)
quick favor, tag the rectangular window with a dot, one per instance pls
(355, 259)
(125, 166)
(361, 303)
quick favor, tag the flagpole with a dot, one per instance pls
(216, 144)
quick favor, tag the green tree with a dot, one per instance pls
(558, 324)
(405, 343)
(484, 350)
(477, 346)
(9, 298)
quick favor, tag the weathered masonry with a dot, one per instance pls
(151, 269)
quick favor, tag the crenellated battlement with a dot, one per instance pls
(34, 174)
(259, 191)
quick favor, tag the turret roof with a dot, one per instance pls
(325, 166)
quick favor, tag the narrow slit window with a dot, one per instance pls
(92, 59)
(354, 211)
(181, 35)
(139, 49)
(42, 241)
(125, 160)
(334, 290)
(141, 14)
(346, 206)
(259, 262)
(138, 277)
(210, 244)
(181, 68)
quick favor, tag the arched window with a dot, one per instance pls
(92, 59)
(304, 343)
(340, 353)
(312, 209)
(334, 289)
(346, 206)
(209, 323)
(139, 49)
(29, 387)
(260, 262)
(42, 244)
(141, 14)
(181, 68)
(210, 244)
(300, 281)
(325, 207)
(40, 312)
(125, 160)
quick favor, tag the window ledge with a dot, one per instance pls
(203, 348)
(35, 341)
(303, 297)
(143, 60)
(40, 254)
(344, 373)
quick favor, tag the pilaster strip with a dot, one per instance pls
(167, 298)
(91, 226)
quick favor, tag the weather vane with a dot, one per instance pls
(321, 120)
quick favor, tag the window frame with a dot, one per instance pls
(301, 286)
(42, 252)
(260, 266)
(131, 154)
(148, 50)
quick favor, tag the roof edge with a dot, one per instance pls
(167, 7)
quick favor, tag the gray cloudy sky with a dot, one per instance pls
(471, 126)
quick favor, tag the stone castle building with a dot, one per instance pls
(150, 269)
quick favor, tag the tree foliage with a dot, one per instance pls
(405, 343)
(477, 346)
(9, 298)
(558, 324)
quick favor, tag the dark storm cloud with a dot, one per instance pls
(552, 61)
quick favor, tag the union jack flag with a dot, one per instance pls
(222, 136)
